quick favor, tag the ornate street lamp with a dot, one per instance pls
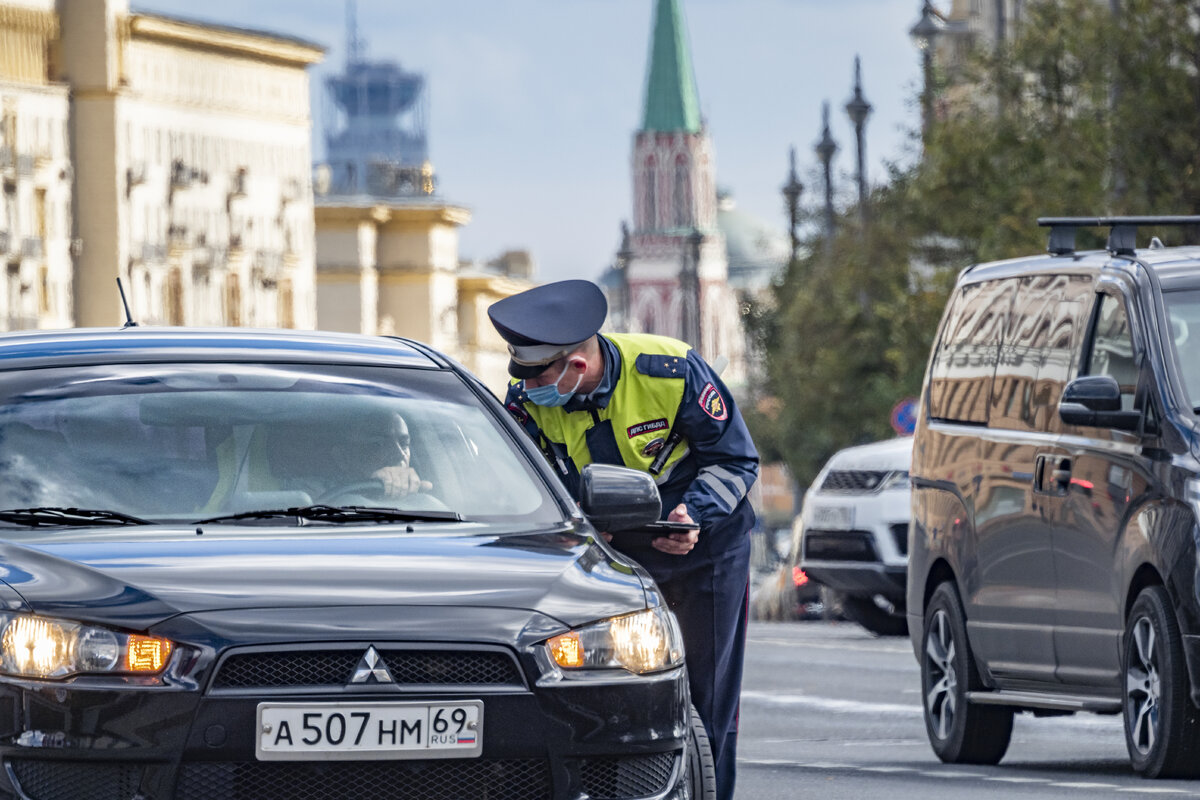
(924, 35)
(689, 284)
(791, 197)
(825, 148)
(858, 109)
(624, 258)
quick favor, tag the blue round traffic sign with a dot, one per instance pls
(904, 416)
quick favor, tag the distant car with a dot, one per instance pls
(854, 532)
(207, 592)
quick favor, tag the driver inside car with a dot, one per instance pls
(369, 458)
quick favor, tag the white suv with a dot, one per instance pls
(854, 532)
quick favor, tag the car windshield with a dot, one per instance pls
(1183, 310)
(184, 442)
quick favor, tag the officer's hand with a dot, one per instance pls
(399, 481)
(677, 544)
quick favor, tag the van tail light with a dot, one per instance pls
(798, 577)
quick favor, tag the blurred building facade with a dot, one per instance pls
(386, 242)
(35, 172)
(169, 154)
(192, 150)
(673, 278)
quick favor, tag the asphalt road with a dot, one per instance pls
(830, 711)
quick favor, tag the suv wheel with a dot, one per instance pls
(701, 768)
(878, 621)
(1162, 728)
(959, 732)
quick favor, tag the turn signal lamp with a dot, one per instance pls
(147, 653)
(567, 650)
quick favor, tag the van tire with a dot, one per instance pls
(960, 732)
(1162, 726)
(701, 766)
(862, 609)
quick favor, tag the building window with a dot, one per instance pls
(651, 192)
(174, 299)
(682, 197)
(287, 304)
(44, 304)
(233, 300)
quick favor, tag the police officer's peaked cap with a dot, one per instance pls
(546, 322)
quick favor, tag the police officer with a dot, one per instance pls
(622, 399)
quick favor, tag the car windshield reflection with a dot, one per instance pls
(181, 443)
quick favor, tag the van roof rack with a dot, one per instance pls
(1122, 234)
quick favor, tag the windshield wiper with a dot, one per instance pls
(51, 515)
(339, 514)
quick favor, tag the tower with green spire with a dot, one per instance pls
(672, 102)
(675, 266)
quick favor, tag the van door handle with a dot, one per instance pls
(1062, 475)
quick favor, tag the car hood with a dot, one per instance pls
(890, 454)
(138, 577)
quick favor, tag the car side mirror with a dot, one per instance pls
(1095, 401)
(618, 498)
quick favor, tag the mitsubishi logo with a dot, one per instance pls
(371, 669)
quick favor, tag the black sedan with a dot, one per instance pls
(241, 565)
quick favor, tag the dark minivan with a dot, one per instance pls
(1054, 555)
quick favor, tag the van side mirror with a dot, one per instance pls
(618, 498)
(1095, 401)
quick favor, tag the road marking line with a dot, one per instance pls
(831, 646)
(1156, 790)
(887, 769)
(829, 703)
(1085, 785)
(1019, 780)
(933, 774)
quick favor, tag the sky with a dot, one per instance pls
(533, 103)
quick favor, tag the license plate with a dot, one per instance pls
(833, 517)
(334, 731)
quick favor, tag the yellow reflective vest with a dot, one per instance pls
(640, 413)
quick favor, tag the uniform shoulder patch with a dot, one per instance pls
(713, 404)
(658, 365)
(518, 412)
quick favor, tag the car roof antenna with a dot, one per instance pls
(129, 323)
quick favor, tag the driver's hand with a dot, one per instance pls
(399, 481)
(677, 544)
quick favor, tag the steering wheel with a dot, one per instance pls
(365, 489)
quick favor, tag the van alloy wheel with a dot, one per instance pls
(960, 732)
(1143, 687)
(941, 700)
(1162, 727)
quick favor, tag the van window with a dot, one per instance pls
(960, 386)
(1069, 302)
(1112, 348)
(1048, 320)
(1183, 309)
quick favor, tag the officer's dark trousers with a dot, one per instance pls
(710, 602)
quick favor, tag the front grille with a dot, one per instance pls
(76, 780)
(624, 777)
(474, 779)
(839, 546)
(900, 536)
(336, 667)
(856, 481)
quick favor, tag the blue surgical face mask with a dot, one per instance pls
(549, 395)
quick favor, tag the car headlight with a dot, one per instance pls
(43, 647)
(647, 641)
(895, 480)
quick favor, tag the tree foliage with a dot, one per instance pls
(1087, 111)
